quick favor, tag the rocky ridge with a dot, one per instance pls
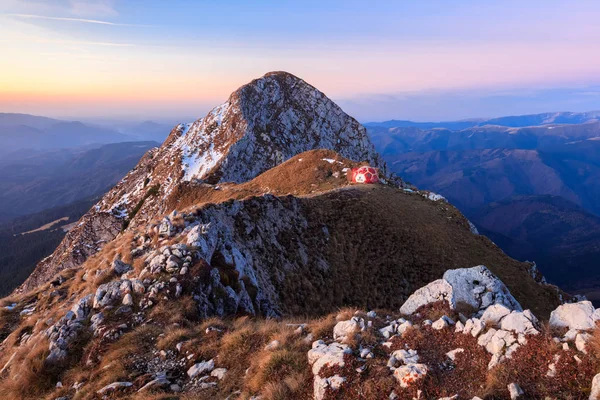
(262, 124)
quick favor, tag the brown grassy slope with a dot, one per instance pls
(385, 243)
(304, 174)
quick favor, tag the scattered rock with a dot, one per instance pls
(573, 316)
(201, 368)
(406, 375)
(515, 391)
(114, 386)
(219, 373)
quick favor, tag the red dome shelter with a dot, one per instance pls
(365, 174)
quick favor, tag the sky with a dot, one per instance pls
(419, 60)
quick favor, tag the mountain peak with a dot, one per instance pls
(261, 125)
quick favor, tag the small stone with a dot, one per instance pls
(201, 368)
(408, 374)
(219, 373)
(114, 386)
(274, 345)
(515, 391)
(128, 300)
(595, 392)
(452, 353)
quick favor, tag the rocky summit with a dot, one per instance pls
(262, 124)
(237, 261)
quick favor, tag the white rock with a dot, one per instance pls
(327, 355)
(406, 356)
(439, 290)
(573, 316)
(345, 329)
(219, 373)
(403, 327)
(408, 374)
(571, 335)
(581, 340)
(128, 300)
(459, 327)
(322, 384)
(515, 391)
(452, 353)
(496, 359)
(465, 280)
(201, 368)
(494, 313)
(595, 392)
(114, 386)
(523, 322)
(273, 345)
(511, 349)
(371, 314)
(442, 323)
(366, 353)
(486, 338)
(477, 328)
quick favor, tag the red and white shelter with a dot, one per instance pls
(365, 174)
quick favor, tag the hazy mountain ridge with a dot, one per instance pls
(33, 182)
(479, 168)
(24, 132)
(516, 121)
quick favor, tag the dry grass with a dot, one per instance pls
(179, 312)
(29, 376)
(322, 327)
(174, 336)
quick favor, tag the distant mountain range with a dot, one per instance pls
(511, 121)
(553, 232)
(30, 132)
(32, 181)
(531, 183)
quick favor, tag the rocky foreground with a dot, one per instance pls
(460, 337)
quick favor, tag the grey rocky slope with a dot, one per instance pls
(261, 125)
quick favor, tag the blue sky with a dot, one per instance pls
(426, 60)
